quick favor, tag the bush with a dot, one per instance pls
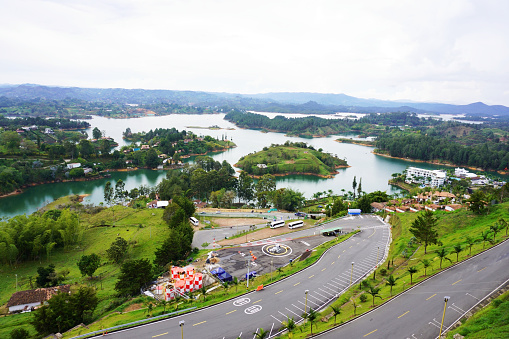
(363, 298)
(383, 272)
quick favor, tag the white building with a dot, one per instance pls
(434, 178)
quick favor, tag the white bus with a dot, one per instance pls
(295, 224)
(194, 221)
(277, 223)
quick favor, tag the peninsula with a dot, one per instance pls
(291, 158)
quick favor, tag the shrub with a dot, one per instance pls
(363, 298)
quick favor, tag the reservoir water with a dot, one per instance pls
(374, 171)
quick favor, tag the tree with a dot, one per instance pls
(411, 270)
(151, 159)
(457, 249)
(44, 275)
(336, 310)
(391, 282)
(495, 228)
(442, 254)
(108, 193)
(374, 292)
(88, 264)
(261, 334)
(245, 189)
(64, 310)
(11, 140)
(265, 185)
(426, 263)
(485, 236)
(174, 248)
(86, 148)
(117, 250)
(96, 133)
(311, 316)
(203, 291)
(424, 229)
(503, 224)
(19, 333)
(134, 274)
(120, 191)
(289, 325)
(477, 202)
(354, 185)
(470, 242)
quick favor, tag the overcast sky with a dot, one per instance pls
(434, 50)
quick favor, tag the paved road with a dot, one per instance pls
(269, 308)
(418, 312)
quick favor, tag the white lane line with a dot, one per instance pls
(472, 296)
(324, 291)
(284, 315)
(336, 285)
(312, 296)
(270, 333)
(321, 295)
(329, 288)
(289, 310)
(276, 319)
(300, 309)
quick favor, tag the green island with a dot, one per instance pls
(291, 158)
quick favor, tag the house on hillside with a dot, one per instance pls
(27, 300)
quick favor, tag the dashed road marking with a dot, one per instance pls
(278, 292)
(457, 282)
(311, 276)
(431, 296)
(232, 311)
(296, 284)
(370, 332)
(155, 336)
(403, 314)
(200, 323)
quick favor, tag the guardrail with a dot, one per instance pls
(107, 330)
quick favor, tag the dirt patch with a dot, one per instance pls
(133, 307)
(259, 235)
(228, 222)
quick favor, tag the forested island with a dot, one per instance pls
(291, 158)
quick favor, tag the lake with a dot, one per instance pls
(373, 171)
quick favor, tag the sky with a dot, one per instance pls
(450, 51)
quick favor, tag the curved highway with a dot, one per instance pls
(267, 309)
(418, 312)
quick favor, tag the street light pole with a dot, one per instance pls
(446, 299)
(181, 324)
(247, 285)
(351, 274)
(306, 305)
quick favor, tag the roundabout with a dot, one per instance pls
(277, 250)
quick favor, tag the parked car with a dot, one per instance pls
(300, 214)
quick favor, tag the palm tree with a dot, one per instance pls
(411, 270)
(426, 263)
(289, 325)
(485, 237)
(503, 224)
(336, 310)
(374, 291)
(391, 282)
(203, 291)
(311, 317)
(164, 304)
(442, 254)
(235, 282)
(262, 334)
(470, 242)
(494, 228)
(457, 249)
(354, 307)
(225, 286)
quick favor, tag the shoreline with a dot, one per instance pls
(297, 173)
(436, 162)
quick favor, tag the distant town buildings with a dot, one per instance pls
(434, 178)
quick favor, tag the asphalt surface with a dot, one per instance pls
(418, 312)
(268, 308)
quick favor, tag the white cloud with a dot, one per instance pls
(450, 51)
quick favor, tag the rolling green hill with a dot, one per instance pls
(291, 158)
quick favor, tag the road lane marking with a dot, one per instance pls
(154, 336)
(276, 319)
(200, 323)
(431, 296)
(343, 252)
(311, 276)
(324, 269)
(372, 234)
(481, 269)
(257, 301)
(457, 282)
(403, 314)
(278, 292)
(472, 296)
(333, 263)
(232, 311)
(350, 246)
(370, 332)
(296, 284)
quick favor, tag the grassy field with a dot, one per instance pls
(492, 322)
(145, 231)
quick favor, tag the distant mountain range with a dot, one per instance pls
(284, 102)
